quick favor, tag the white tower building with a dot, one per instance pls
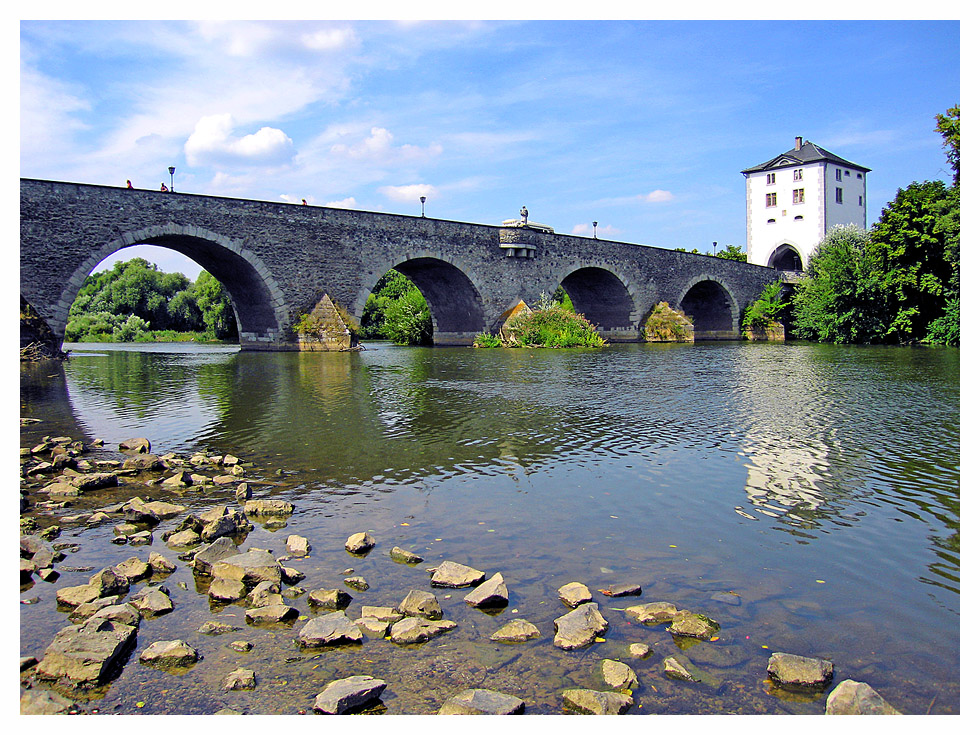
(792, 201)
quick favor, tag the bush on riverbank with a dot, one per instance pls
(550, 325)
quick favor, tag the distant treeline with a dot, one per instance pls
(136, 302)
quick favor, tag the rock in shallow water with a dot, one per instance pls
(693, 625)
(421, 604)
(591, 702)
(240, 679)
(857, 698)
(492, 593)
(516, 631)
(574, 594)
(451, 574)
(482, 702)
(166, 654)
(87, 655)
(329, 629)
(790, 670)
(360, 543)
(580, 627)
(344, 695)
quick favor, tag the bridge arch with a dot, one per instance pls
(259, 304)
(710, 305)
(450, 289)
(604, 297)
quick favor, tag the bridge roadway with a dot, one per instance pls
(277, 261)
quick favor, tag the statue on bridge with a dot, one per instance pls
(524, 215)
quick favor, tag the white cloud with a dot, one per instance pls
(49, 112)
(657, 196)
(330, 39)
(213, 142)
(377, 146)
(347, 203)
(408, 193)
(587, 229)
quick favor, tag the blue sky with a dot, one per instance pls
(642, 126)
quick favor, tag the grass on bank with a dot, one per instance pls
(549, 325)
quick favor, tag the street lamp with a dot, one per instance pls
(595, 235)
(714, 247)
(171, 170)
(422, 199)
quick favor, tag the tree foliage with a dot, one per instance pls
(766, 309)
(397, 310)
(948, 126)
(840, 298)
(135, 298)
(898, 283)
(732, 252)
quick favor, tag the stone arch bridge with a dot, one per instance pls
(278, 260)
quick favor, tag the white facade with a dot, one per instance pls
(793, 200)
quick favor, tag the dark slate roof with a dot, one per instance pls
(808, 153)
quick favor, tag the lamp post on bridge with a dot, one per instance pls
(714, 248)
(422, 199)
(171, 170)
(595, 235)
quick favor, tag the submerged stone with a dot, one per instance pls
(482, 702)
(591, 702)
(516, 631)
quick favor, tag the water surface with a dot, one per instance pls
(820, 484)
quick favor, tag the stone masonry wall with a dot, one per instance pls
(278, 260)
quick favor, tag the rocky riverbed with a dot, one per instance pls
(164, 584)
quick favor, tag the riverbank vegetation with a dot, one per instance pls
(551, 323)
(897, 283)
(396, 310)
(135, 301)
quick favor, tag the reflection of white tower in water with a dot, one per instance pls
(789, 436)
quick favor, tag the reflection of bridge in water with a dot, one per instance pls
(279, 260)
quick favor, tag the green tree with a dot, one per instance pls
(396, 310)
(766, 309)
(732, 252)
(948, 126)
(215, 306)
(841, 296)
(917, 257)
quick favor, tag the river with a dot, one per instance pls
(819, 484)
